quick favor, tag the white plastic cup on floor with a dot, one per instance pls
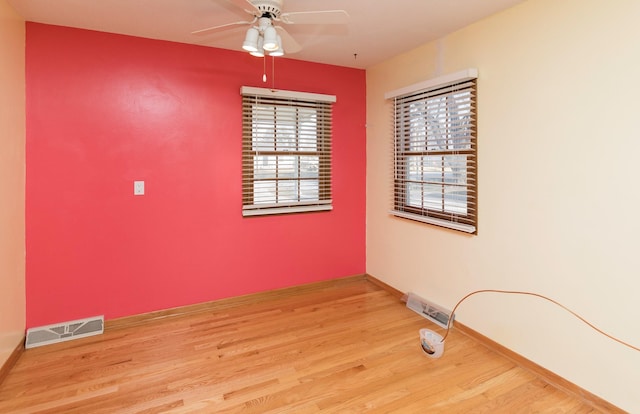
(431, 343)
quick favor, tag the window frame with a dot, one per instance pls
(459, 210)
(257, 104)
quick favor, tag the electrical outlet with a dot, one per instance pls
(138, 188)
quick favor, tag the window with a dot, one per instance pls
(435, 173)
(286, 152)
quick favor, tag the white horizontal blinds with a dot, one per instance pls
(286, 164)
(435, 173)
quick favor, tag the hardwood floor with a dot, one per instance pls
(341, 347)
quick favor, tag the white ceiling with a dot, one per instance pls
(379, 29)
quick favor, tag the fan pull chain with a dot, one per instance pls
(273, 72)
(264, 69)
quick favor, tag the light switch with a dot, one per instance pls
(138, 188)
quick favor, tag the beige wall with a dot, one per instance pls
(12, 180)
(558, 196)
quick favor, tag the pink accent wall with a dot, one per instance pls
(104, 110)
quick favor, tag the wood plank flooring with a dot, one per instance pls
(341, 347)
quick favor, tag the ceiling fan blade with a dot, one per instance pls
(214, 29)
(289, 44)
(316, 17)
(246, 5)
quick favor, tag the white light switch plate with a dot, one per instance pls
(138, 188)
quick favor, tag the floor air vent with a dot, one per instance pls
(431, 311)
(65, 331)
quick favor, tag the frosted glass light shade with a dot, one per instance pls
(270, 39)
(279, 51)
(250, 43)
(260, 51)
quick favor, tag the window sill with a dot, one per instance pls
(438, 222)
(256, 211)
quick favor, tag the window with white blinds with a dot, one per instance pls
(434, 152)
(286, 151)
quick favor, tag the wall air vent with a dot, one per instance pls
(429, 310)
(65, 331)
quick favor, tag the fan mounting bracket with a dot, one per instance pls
(268, 8)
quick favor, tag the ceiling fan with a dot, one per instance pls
(263, 36)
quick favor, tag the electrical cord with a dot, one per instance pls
(517, 292)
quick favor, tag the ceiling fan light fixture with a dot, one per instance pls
(270, 39)
(264, 14)
(279, 51)
(250, 43)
